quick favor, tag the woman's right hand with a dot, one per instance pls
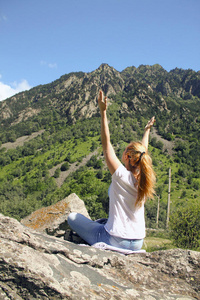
(102, 101)
(150, 123)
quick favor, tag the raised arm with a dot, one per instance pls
(145, 139)
(109, 153)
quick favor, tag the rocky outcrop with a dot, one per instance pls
(34, 265)
(53, 219)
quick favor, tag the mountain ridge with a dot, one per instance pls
(74, 94)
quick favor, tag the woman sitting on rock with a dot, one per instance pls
(132, 183)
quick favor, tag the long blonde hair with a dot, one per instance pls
(140, 160)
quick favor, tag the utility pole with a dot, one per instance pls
(168, 201)
(158, 208)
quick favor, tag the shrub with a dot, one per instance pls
(185, 225)
(65, 166)
(160, 145)
(56, 173)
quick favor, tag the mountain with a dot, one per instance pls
(60, 125)
(73, 95)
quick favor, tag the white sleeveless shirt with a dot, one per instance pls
(125, 220)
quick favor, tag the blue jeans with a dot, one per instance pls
(93, 232)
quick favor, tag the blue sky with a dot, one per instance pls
(41, 40)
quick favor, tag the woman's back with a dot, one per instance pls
(125, 218)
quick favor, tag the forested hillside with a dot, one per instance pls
(65, 119)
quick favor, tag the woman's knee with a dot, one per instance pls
(71, 217)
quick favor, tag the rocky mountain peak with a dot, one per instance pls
(105, 67)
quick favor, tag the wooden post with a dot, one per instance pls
(158, 208)
(168, 201)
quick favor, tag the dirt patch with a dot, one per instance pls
(168, 145)
(21, 140)
(73, 167)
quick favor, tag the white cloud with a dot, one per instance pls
(50, 65)
(7, 91)
(43, 63)
(3, 18)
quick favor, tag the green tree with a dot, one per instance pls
(56, 173)
(93, 146)
(185, 225)
(65, 166)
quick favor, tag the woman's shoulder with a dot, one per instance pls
(124, 174)
(120, 171)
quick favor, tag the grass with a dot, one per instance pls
(155, 243)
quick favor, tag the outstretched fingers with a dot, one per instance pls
(100, 98)
(150, 123)
(102, 101)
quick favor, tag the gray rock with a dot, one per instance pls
(34, 265)
(53, 219)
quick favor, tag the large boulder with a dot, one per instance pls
(34, 265)
(53, 219)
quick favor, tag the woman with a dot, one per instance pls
(132, 183)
